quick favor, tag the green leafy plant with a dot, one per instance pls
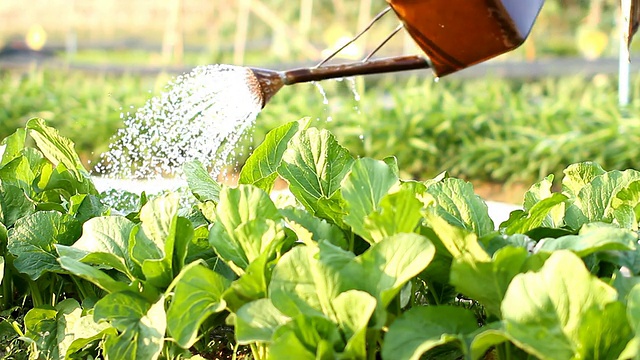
(359, 264)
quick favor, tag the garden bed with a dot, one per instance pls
(365, 265)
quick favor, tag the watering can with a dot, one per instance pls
(454, 34)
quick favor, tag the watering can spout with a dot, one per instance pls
(268, 82)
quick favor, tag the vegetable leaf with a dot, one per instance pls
(314, 165)
(33, 238)
(423, 328)
(545, 313)
(363, 188)
(199, 290)
(200, 182)
(260, 169)
(459, 205)
(141, 326)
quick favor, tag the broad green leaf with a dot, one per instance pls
(594, 201)
(487, 282)
(538, 215)
(159, 219)
(541, 191)
(314, 165)
(35, 158)
(87, 206)
(56, 148)
(494, 242)
(387, 266)
(397, 212)
(392, 162)
(626, 209)
(257, 321)
(423, 328)
(456, 240)
(306, 337)
(12, 146)
(310, 229)
(18, 173)
(592, 238)
(33, 238)
(104, 241)
(612, 335)
(545, 312)
(576, 176)
(86, 331)
(632, 349)
(92, 274)
(244, 204)
(14, 204)
(200, 182)
(54, 330)
(293, 288)
(363, 188)
(538, 192)
(333, 209)
(353, 310)
(485, 338)
(307, 279)
(63, 182)
(41, 321)
(141, 326)
(261, 167)
(623, 284)
(200, 290)
(458, 204)
(248, 223)
(75, 329)
(252, 285)
(184, 237)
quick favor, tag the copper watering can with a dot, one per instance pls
(454, 34)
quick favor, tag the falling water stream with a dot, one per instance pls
(200, 116)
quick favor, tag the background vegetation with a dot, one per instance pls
(491, 130)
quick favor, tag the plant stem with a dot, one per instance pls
(7, 288)
(352, 241)
(372, 343)
(36, 297)
(83, 288)
(433, 293)
(504, 351)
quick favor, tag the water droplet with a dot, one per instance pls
(436, 79)
(318, 86)
(354, 88)
(361, 137)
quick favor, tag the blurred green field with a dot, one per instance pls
(491, 130)
(145, 32)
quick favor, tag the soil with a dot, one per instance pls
(510, 193)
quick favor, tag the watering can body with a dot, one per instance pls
(455, 34)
